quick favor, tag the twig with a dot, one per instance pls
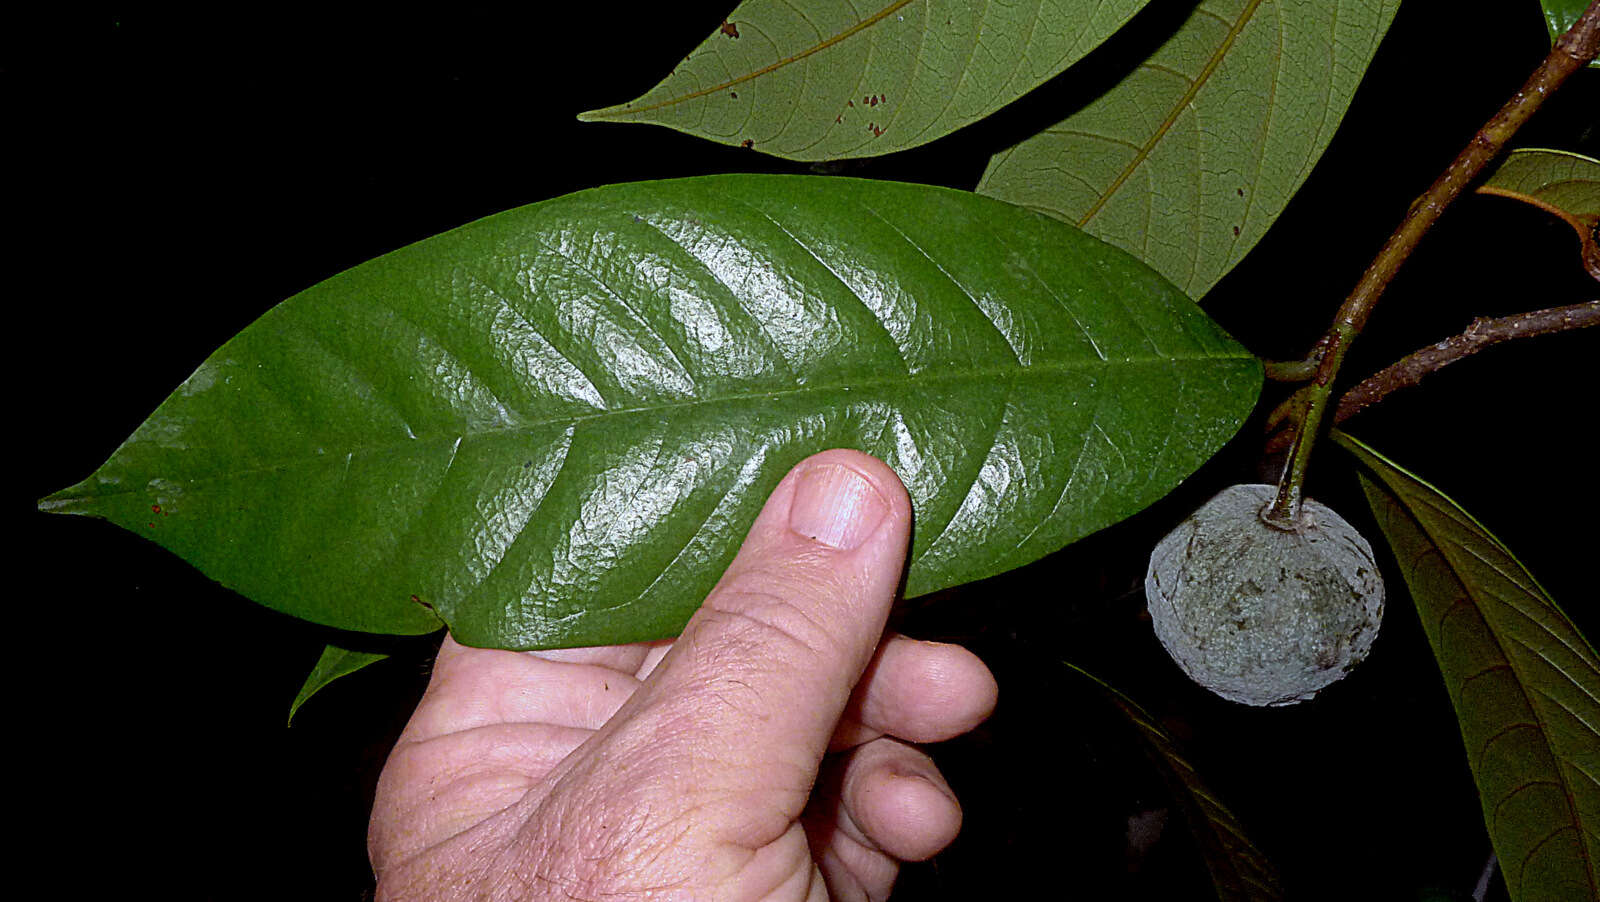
(1572, 51)
(1481, 334)
(1411, 369)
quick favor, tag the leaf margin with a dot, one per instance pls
(1513, 186)
(1385, 488)
(1218, 347)
(631, 111)
(1249, 230)
(1239, 871)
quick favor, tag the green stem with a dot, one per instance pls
(1284, 511)
(1570, 53)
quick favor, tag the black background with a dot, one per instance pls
(172, 177)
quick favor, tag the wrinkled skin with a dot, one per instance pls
(763, 755)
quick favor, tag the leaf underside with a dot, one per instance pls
(1189, 158)
(1559, 182)
(829, 79)
(1239, 871)
(1569, 182)
(1525, 684)
(553, 426)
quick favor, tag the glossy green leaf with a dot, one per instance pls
(553, 426)
(1559, 16)
(1239, 871)
(335, 662)
(827, 79)
(1525, 684)
(1563, 184)
(1189, 158)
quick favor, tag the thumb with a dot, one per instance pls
(763, 671)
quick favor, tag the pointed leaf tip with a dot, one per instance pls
(334, 663)
(831, 79)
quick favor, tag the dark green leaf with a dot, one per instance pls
(1189, 158)
(335, 662)
(554, 426)
(1559, 16)
(825, 79)
(1525, 684)
(1239, 871)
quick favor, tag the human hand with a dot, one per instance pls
(760, 756)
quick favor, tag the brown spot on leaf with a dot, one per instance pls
(734, 94)
(1241, 192)
(729, 29)
(747, 144)
(1236, 231)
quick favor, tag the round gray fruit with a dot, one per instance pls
(1258, 614)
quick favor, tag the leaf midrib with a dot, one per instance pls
(1200, 82)
(61, 501)
(625, 110)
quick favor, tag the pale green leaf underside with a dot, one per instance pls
(827, 79)
(1239, 870)
(334, 663)
(1569, 182)
(1189, 159)
(553, 426)
(1525, 684)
